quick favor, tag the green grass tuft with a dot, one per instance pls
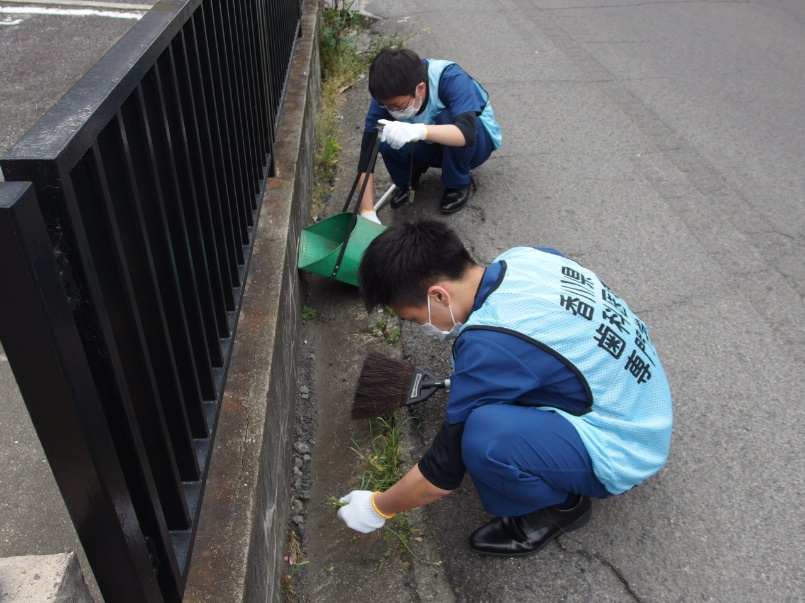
(308, 314)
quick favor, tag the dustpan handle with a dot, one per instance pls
(351, 191)
(354, 218)
(369, 169)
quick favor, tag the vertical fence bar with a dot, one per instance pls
(188, 223)
(199, 202)
(65, 408)
(160, 153)
(273, 46)
(195, 108)
(234, 35)
(125, 190)
(255, 54)
(266, 77)
(220, 56)
(243, 12)
(245, 23)
(130, 388)
(163, 413)
(139, 166)
(237, 88)
(210, 79)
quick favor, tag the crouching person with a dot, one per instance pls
(557, 396)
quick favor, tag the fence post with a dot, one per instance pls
(46, 356)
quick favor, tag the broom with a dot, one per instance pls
(386, 384)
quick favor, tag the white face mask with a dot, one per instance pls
(406, 113)
(434, 331)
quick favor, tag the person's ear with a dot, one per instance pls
(420, 88)
(439, 294)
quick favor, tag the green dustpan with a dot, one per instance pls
(335, 246)
(321, 246)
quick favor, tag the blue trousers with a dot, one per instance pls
(455, 162)
(522, 459)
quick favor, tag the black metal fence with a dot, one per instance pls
(123, 264)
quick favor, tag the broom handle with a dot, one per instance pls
(369, 168)
(386, 196)
(439, 384)
(425, 389)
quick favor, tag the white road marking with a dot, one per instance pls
(68, 12)
(83, 3)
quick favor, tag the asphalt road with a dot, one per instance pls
(662, 145)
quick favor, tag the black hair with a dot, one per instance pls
(396, 72)
(404, 260)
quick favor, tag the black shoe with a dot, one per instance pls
(400, 197)
(528, 534)
(454, 199)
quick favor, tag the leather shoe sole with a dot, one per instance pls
(528, 534)
(400, 198)
(454, 199)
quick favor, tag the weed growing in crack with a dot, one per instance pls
(308, 314)
(294, 559)
(380, 469)
(383, 329)
(381, 457)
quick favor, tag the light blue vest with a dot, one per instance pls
(435, 106)
(564, 308)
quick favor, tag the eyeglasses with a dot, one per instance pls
(398, 106)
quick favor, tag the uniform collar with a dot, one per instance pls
(493, 276)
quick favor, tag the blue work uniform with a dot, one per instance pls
(451, 92)
(557, 390)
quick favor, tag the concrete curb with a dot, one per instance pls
(37, 578)
(242, 528)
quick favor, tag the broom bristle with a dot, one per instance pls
(382, 386)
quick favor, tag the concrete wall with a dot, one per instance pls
(242, 531)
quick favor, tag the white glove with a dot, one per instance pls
(398, 133)
(371, 215)
(358, 513)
